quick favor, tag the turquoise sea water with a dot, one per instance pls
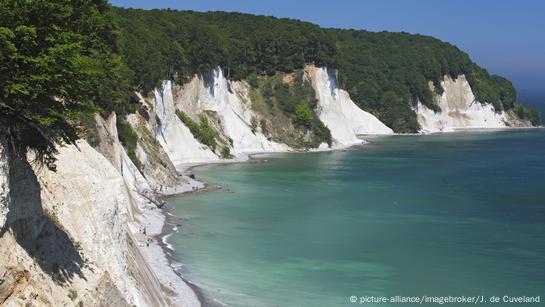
(457, 214)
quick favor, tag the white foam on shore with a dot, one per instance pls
(165, 241)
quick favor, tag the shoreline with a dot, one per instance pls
(194, 185)
(159, 244)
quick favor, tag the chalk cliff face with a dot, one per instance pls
(4, 185)
(178, 142)
(339, 113)
(460, 110)
(230, 103)
(71, 235)
(65, 233)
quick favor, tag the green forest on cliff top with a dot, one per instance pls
(61, 61)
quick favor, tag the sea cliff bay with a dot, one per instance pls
(441, 215)
(171, 157)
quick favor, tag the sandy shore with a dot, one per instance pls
(151, 236)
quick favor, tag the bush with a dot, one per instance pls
(206, 134)
(264, 129)
(203, 132)
(226, 153)
(527, 113)
(129, 140)
(322, 133)
(303, 115)
(253, 125)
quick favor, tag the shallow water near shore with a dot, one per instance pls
(456, 214)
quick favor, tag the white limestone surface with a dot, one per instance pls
(459, 110)
(231, 102)
(175, 138)
(339, 113)
(4, 186)
(88, 195)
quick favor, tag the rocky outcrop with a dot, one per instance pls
(230, 102)
(155, 164)
(4, 185)
(176, 139)
(339, 113)
(460, 110)
(66, 231)
(66, 236)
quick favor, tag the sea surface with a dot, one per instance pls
(458, 214)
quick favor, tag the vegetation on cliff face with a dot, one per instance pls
(527, 113)
(383, 72)
(58, 62)
(129, 139)
(286, 103)
(202, 131)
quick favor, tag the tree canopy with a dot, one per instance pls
(58, 62)
(384, 72)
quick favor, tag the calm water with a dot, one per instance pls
(460, 214)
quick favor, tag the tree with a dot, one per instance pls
(54, 59)
(303, 115)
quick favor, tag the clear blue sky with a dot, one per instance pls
(507, 37)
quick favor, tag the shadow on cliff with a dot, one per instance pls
(37, 231)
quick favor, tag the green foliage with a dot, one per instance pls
(57, 62)
(62, 61)
(303, 115)
(128, 139)
(527, 113)
(193, 126)
(321, 133)
(246, 46)
(372, 65)
(167, 44)
(226, 153)
(253, 125)
(206, 135)
(397, 114)
(290, 100)
(203, 132)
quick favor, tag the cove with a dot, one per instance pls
(458, 214)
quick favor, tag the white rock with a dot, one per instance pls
(173, 135)
(4, 186)
(231, 101)
(339, 113)
(459, 110)
(92, 204)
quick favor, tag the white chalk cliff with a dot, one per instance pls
(459, 110)
(177, 140)
(230, 101)
(339, 113)
(73, 235)
(4, 185)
